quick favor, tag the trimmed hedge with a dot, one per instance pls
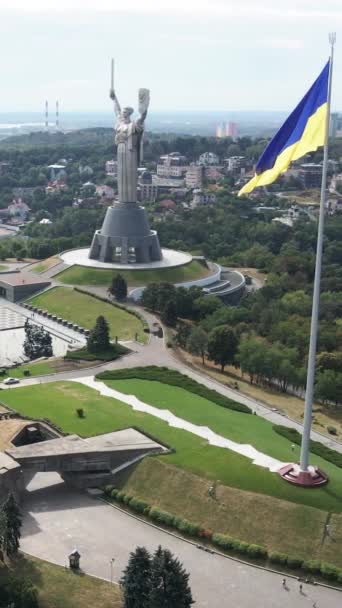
(173, 378)
(315, 446)
(223, 541)
(114, 352)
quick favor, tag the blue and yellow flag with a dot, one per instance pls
(302, 132)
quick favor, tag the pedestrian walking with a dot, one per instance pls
(284, 582)
(300, 588)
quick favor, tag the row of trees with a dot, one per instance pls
(155, 581)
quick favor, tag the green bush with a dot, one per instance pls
(315, 446)
(138, 505)
(114, 493)
(294, 562)
(173, 378)
(242, 547)
(339, 578)
(256, 551)
(188, 527)
(330, 571)
(108, 490)
(126, 499)
(312, 565)
(120, 496)
(226, 542)
(163, 517)
(277, 558)
(332, 430)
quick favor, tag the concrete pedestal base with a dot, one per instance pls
(311, 478)
(125, 237)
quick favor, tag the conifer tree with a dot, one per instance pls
(136, 579)
(98, 340)
(10, 533)
(169, 582)
(118, 287)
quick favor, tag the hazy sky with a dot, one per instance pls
(192, 54)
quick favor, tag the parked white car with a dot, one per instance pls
(11, 381)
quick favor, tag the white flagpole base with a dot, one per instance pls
(313, 477)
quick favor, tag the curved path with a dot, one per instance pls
(58, 519)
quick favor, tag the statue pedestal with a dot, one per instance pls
(125, 237)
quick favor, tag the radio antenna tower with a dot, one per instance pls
(46, 115)
(57, 115)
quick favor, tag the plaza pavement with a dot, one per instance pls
(58, 519)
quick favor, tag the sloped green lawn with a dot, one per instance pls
(58, 402)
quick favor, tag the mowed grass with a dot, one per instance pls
(84, 309)
(58, 402)
(80, 275)
(277, 524)
(45, 264)
(61, 588)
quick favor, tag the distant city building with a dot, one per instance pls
(57, 172)
(213, 174)
(335, 128)
(194, 176)
(334, 206)
(55, 186)
(104, 191)
(45, 221)
(202, 198)
(164, 184)
(4, 167)
(85, 171)
(234, 164)
(208, 158)
(310, 174)
(167, 204)
(232, 130)
(147, 190)
(172, 165)
(227, 129)
(112, 168)
(18, 209)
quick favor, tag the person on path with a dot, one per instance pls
(300, 588)
(284, 582)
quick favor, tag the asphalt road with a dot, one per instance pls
(58, 520)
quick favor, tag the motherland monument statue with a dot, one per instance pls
(125, 236)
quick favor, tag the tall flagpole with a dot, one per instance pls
(304, 454)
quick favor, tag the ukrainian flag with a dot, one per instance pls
(303, 132)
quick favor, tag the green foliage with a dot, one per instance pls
(98, 340)
(168, 313)
(38, 342)
(329, 386)
(223, 541)
(18, 592)
(222, 345)
(277, 558)
(136, 579)
(294, 562)
(173, 378)
(162, 517)
(315, 446)
(169, 582)
(139, 505)
(312, 565)
(197, 342)
(118, 287)
(256, 551)
(10, 526)
(113, 352)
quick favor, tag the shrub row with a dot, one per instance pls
(223, 541)
(315, 446)
(174, 378)
(114, 352)
(116, 304)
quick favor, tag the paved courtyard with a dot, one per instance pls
(58, 519)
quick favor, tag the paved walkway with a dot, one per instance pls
(58, 520)
(258, 458)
